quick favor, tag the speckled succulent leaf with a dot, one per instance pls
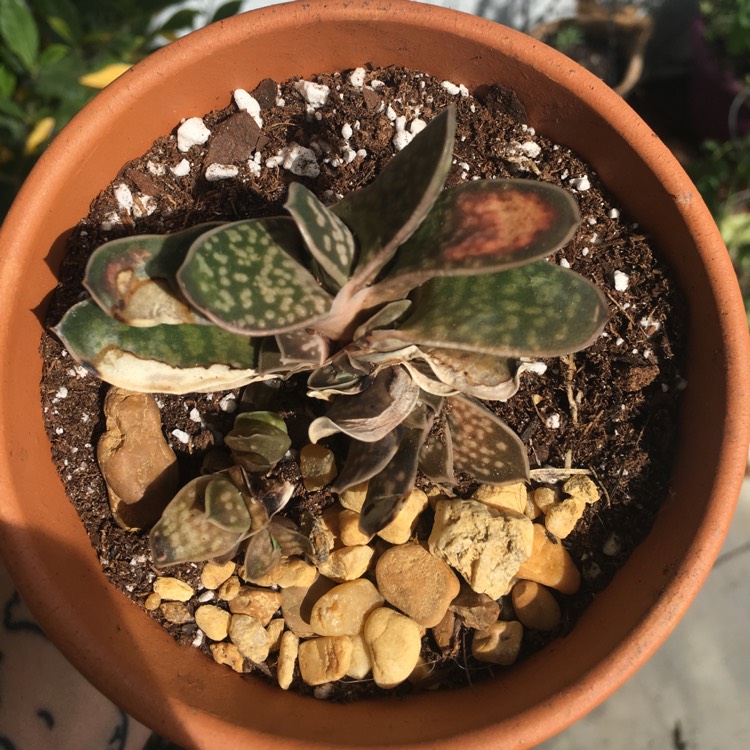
(388, 490)
(372, 414)
(427, 380)
(327, 237)
(365, 460)
(290, 540)
(473, 373)
(538, 309)
(133, 278)
(304, 348)
(163, 359)
(275, 497)
(261, 555)
(185, 534)
(386, 316)
(246, 277)
(483, 445)
(225, 506)
(436, 459)
(340, 375)
(258, 440)
(386, 212)
(481, 227)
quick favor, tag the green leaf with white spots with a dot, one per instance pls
(436, 458)
(481, 227)
(365, 460)
(302, 349)
(162, 359)
(538, 309)
(246, 277)
(262, 553)
(483, 445)
(384, 214)
(184, 533)
(133, 278)
(258, 441)
(327, 237)
(225, 506)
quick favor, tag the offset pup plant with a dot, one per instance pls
(405, 303)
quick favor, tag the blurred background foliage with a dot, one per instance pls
(56, 54)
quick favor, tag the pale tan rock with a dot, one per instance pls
(262, 604)
(532, 510)
(214, 574)
(401, 528)
(250, 637)
(347, 563)
(499, 644)
(359, 665)
(213, 621)
(324, 659)
(349, 531)
(417, 583)
(275, 629)
(288, 650)
(545, 498)
(138, 466)
(485, 545)
(476, 611)
(173, 589)
(297, 603)
(344, 608)
(329, 522)
(508, 496)
(152, 602)
(230, 588)
(550, 564)
(175, 612)
(535, 606)
(289, 572)
(583, 487)
(561, 518)
(444, 632)
(229, 654)
(393, 642)
(317, 466)
(354, 497)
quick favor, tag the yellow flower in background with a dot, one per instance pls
(39, 134)
(104, 76)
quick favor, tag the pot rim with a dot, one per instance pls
(193, 718)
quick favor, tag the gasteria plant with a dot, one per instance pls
(406, 303)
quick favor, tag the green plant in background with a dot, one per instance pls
(727, 29)
(55, 54)
(405, 304)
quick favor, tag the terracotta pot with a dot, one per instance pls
(176, 691)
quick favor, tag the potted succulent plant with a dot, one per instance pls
(48, 551)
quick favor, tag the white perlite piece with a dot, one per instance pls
(531, 149)
(622, 281)
(580, 183)
(182, 169)
(357, 77)
(216, 172)
(296, 159)
(248, 103)
(315, 94)
(192, 132)
(455, 90)
(181, 435)
(124, 197)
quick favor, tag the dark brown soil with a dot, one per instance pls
(612, 409)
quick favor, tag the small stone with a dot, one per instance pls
(393, 642)
(297, 603)
(214, 574)
(535, 606)
(359, 665)
(499, 644)
(288, 650)
(230, 588)
(545, 498)
(138, 466)
(152, 602)
(445, 631)
(349, 531)
(417, 583)
(485, 545)
(476, 611)
(324, 659)
(274, 630)
(317, 466)
(344, 609)
(288, 572)
(401, 528)
(262, 604)
(550, 564)
(582, 487)
(347, 563)
(354, 497)
(561, 518)
(250, 637)
(173, 589)
(508, 496)
(229, 654)
(213, 621)
(176, 612)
